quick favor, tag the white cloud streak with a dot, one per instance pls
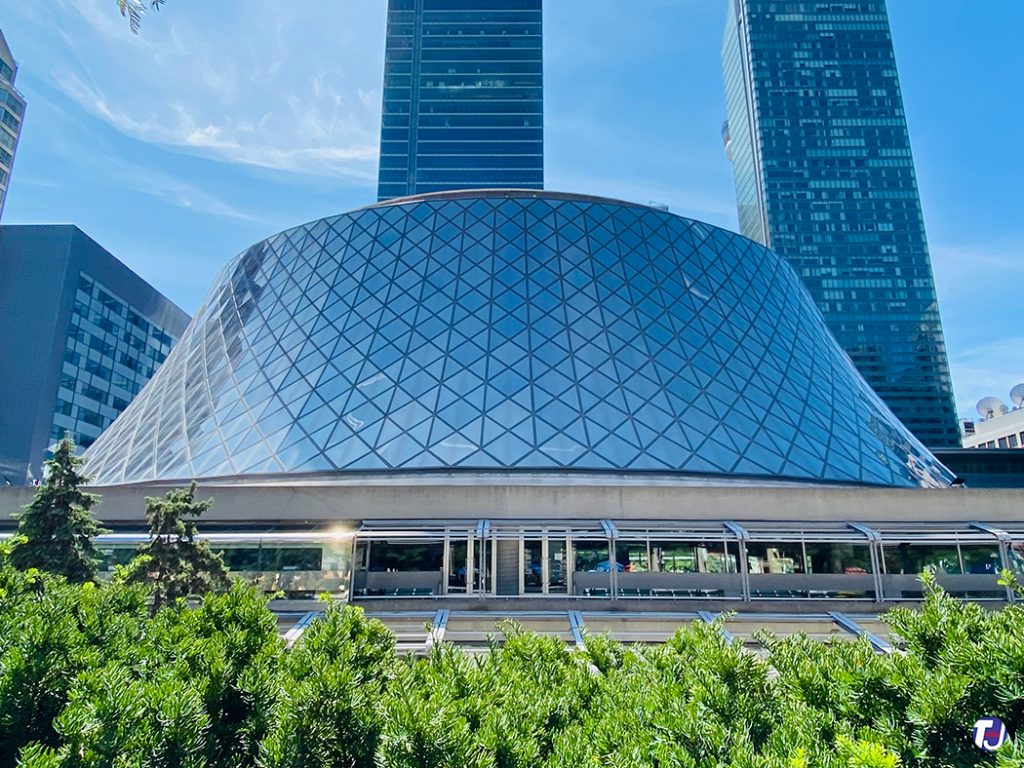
(976, 283)
(232, 91)
(990, 368)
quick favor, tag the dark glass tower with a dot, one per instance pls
(463, 96)
(824, 176)
(80, 335)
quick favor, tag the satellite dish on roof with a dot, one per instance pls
(1017, 395)
(990, 407)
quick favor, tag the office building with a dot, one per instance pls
(985, 467)
(12, 111)
(1000, 425)
(463, 96)
(80, 335)
(824, 176)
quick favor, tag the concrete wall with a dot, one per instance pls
(554, 497)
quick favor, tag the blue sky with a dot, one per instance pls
(224, 122)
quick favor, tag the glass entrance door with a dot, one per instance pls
(544, 567)
(533, 567)
(460, 570)
(557, 567)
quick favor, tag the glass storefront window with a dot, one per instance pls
(388, 556)
(1016, 552)
(591, 556)
(838, 558)
(982, 559)
(673, 557)
(297, 569)
(775, 557)
(241, 558)
(913, 559)
(457, 566)
(719, 558)
(113, 556)
(533, 566)
(632, 556)
(694, 557)
(557, 566)
(292, 559)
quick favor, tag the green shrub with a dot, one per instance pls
(88, 679)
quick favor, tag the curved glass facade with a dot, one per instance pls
(510, 330)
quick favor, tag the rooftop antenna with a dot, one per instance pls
(990, 407)
(1017, 395)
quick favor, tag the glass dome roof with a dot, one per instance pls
(510, 330)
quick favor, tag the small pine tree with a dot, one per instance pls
(57, 528)
(174, 561)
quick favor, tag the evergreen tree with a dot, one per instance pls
(57, 527)
(174, 561)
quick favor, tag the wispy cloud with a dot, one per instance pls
(104, 163)
(233, 92)
(989, 368)
(988, 266)
(976, 283)
(703, 204)
(179, 193)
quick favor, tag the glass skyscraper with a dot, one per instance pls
(824, 176)
(463, 96)
(80, 335)
(12, 109)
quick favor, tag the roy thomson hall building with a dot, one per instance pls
(487, 398)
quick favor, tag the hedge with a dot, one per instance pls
(89, 680)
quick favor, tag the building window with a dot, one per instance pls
(91, 417)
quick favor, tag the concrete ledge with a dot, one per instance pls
(537, 497)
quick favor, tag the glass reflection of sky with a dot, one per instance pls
(510, 330)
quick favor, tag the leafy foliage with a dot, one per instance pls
(57, 528)
(174, 561)
(88, 679)
(134, 10)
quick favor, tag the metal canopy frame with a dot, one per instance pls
(478, 532)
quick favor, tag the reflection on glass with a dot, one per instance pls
(557, 566)
(398, 557)
(694, 557)
(458, 572)
(533, 567)
(719, 558)
(981, 560)
(508, 366)
(591, 556)
(775, 558)
(633, 556)
(298, 570)
(838, 558)
(945, 558)
(1016, 553)
(674, 557)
